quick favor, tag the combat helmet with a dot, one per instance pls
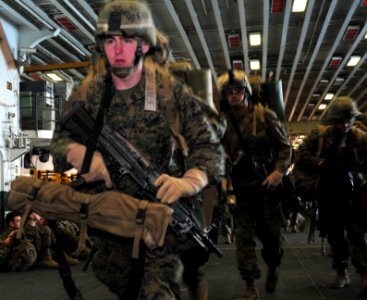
(341, 108)
(232, 79)
(130, 19)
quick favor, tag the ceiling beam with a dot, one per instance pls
(222, 35)
(182, 31)
(330, 12)
(61, 66)
(301, 42)
(283, 41)
(359, 38)
(242, 14)
(201, 36)
(266, 10)
(331, 53)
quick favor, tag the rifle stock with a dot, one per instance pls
(120, 151)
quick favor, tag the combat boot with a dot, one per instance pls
(363, 293)
(251, 292)
(271, 279)
(201, 291)
(48, 262)
(341, 280)
(71, 261)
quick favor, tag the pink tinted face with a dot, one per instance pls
(120, 51)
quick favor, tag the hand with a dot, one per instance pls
(172, 188)
(273, 180)
(97, 171)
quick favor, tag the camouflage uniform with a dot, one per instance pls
(148, 131)
(258, 210)
(337, 175)
(19, 256)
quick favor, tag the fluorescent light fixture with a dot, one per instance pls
(255, 39)
(322, 106)
(54, 77)
(365, 36)
(254, 64)
(353, 61)
(329, 96)
(299, 5)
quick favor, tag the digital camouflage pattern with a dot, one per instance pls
(20, 255)
(268, 148)
(149, 132)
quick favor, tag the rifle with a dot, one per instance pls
(121, 154)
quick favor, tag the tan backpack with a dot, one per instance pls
(112, 212)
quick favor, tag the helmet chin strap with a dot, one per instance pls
(123, 72)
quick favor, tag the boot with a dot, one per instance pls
(271, 279)
(201, 291)
(363, 293)
(251, 292)
(71, 261)
(341, 280)
(48, 262)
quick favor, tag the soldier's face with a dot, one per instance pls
(120, 51)
(345, 125)
(236, 96)
(16, 222)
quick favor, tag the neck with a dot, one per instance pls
(130, 81)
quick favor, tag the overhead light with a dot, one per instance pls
(299, 5)
(353, 61)
(255, 39)
(54, 77)
(277, 6)
(329, 96)
(335, 61)
(254, 64)
(322, 106)
(234, 40)
(365, 36)
(351, 33)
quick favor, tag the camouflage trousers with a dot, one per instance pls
(20, 256)
(258, 216)
(112, 265)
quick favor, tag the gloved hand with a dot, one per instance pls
(172, 188)
(97, 171)
(273, 180)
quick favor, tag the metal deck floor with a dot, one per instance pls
(304, 274)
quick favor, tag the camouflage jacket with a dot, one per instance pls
(324, 152)
(149, 131)
(267, 145)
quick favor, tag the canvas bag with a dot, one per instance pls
(112, 212)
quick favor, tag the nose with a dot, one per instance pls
(118, 46)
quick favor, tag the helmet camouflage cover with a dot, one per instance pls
(341, 108)
(127, 18)
(234, 79)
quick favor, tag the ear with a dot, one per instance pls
(146, 47)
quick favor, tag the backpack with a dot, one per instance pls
(305, 181)
(113, 212)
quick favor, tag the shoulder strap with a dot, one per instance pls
(98, 124)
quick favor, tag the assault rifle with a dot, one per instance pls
(121, 154)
